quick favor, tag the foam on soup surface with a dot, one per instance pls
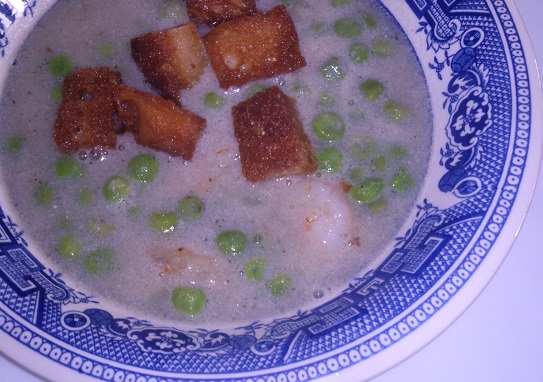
(306, 236)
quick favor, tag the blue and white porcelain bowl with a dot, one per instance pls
(487, 140)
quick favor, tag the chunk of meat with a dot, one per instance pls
(319, 215)
(214, 12)
(86, 116)
(171, 60)
(254, 47)
(326, 217)
(158, 123)
(271, 138)
(189, 266)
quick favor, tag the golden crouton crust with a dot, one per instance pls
(86, 116)
(271, 138)
(171, 60)
(214, 12)
(254, 47)
(158, 123)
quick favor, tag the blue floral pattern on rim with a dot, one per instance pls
(7, 17)
(438, 254)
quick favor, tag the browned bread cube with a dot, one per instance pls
(171, 60)
(214, 12)
(158, 123)
(271, 138)
(254, 47)
(86, 116)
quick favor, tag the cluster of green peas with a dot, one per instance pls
(359, 53)
(232, 243)
(191, 301)
(330, 127)
(144, 168)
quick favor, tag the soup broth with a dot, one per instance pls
(311, 230)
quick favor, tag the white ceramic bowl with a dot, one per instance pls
(470, 210)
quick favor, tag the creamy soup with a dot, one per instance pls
(305, 236)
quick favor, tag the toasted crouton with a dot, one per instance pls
(254, 47)
(158, 123)
(272, 141)
(86, 116)
(214, 12)
(171, 60)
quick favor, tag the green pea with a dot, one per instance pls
(214, 101)
(383, 49)
(330, 160)
(397, 152)
(85, 196)
(300, 89)
(372, 89)
(100, 228)
(254, 268)
(380, 163)
(163, 222)
(60, 65)
(14, 144)
(363, 149)
(43, 194)
(328, 126)
(100, 261)
(368, 190)
(106, 49)
(359, 53)
(370, 21)
(332, 70)
(256, 88)
(328, 100)
(171, 9)
(116, 189)
(232, 242)
(402, 180)
(188, 300)
(69, 168)
(144, 168)
(190, 208)
(279, 285)
(356, 174)
(69, 247)
(318, 27)
(64, 223)
(347, 28)
(377, 205)
(56, 94)
(395, 111)
(339, 3)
